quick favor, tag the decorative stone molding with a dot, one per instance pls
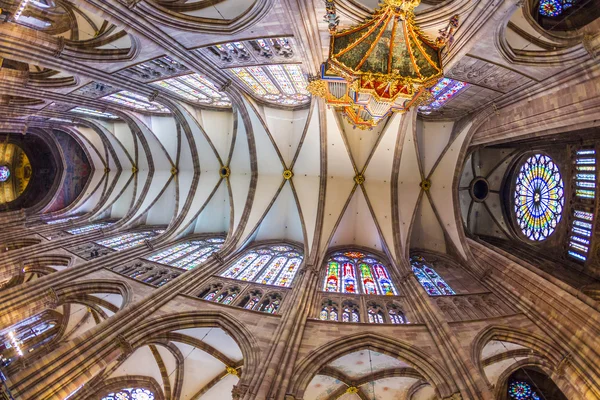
(125, 347)
(425, 185)
(60, 46)
(287, 174)
(359, 179)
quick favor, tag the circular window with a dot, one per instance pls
(479, 189)
(4, 173)
(539, 197)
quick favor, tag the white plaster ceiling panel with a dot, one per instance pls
(92, 194)
(267, 189)
(218, 125)
(159, 181)
(141, 362)
(215, 216)
(286, 127)
(123, 133)
(349, 396)
(122, 200)
(218, 339)
(432, 138)
(425, 392)
(94, 147)
(199, 369)
(282, 221)
(441, 188)
(426, 230)
(321, 387)
(163, 210)
(338, 159)
(388, 388)
(409, 179)
(357, 226)
(240, 172)
(222, 390)
(494, 347)
(365, 362)
(268, 160)
(165, 130)
(493, 371)
(361, 143)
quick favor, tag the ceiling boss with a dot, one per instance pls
(384, 64)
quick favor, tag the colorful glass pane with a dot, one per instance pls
(259, 74)
(130, 394)
(186, 255)
(128, 240)
(433, 284)
(254, 268)
(519, 390)
(295, 73)
(90, 228)
(332, 280)
(539, 197)
(240, 265)
(93, 113)
(245, 77)
(349, 278)
(395, 317)
(4, 173)
(368, 283)
(281, 78)
(270, 273)
(442, 92)
(551, 8)
(386, 286)
(287, 275)
(136, 101)
(354, 254)
(164, 253)
(61, 220)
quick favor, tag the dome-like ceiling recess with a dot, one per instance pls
(380, 66)
(15, 172)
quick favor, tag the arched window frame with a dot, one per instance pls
(375, 313)
(329, 311)
(270, 303)
(345, 268)
(129, 394)
(271, 264)
(431, 281)
(188, 254)
(129, 240)
(395, 314)
(350, 312)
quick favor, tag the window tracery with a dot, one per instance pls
(129, 240)
(346, 268)
(350, 312)
(187, 255)
(375, 313)
(197, 88)
(538, 197)
(582, 211)
(433, 284)
(395, 314)
(329, 311)
(442, 92)
(282, 84)
(268, 265)
(93, 113)
(130, 394)
(90, 228)
(554, 8)
(136, 101)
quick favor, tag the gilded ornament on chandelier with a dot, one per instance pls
(356, 80)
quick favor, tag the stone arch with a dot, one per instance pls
(154, 330)
(435, 374)
(114, 384)
(78, 290)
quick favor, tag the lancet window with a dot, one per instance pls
(350, 312)
(329, 311)
(269, 265)
(129, 240)
(130, 394)
(395, 314)
(375, 314)
(283, 84)
(195, 88)
(133, 100)
(429, 279)
(187, 255)
(90, 228)
(61, 220)
(357, 273)
(93, 113)
(442, 92)
(582, 216)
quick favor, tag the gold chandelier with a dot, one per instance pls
(384, 64)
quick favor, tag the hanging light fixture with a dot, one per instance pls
(384, 64)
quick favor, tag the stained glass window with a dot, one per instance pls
(350, 313)
(433, 284)
(133, 100)
(93, 113)
(197, 88)
(554, 8)
(585, 195)
(521, 390)
(188, 255)
(441, 93)
(130, 394)
(346, 269)
(269, 265)
(328, 313)
(128, 240)
(396, 316)
(375, 317)
(61, 220)
(539, 197)
(90, 228)
(284, 84)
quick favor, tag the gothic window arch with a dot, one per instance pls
(268, 265)
(375, 313)
(89, 228)
(395, 314)
(130, 394)
(429, 279)
(356, 272)
(228, 295)
(582, 210)
(129, 240)
(251, 300)
(538, 197)
(187, 255)
(271, 303)
(329, 311)
(350, 311)
(210, 293)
